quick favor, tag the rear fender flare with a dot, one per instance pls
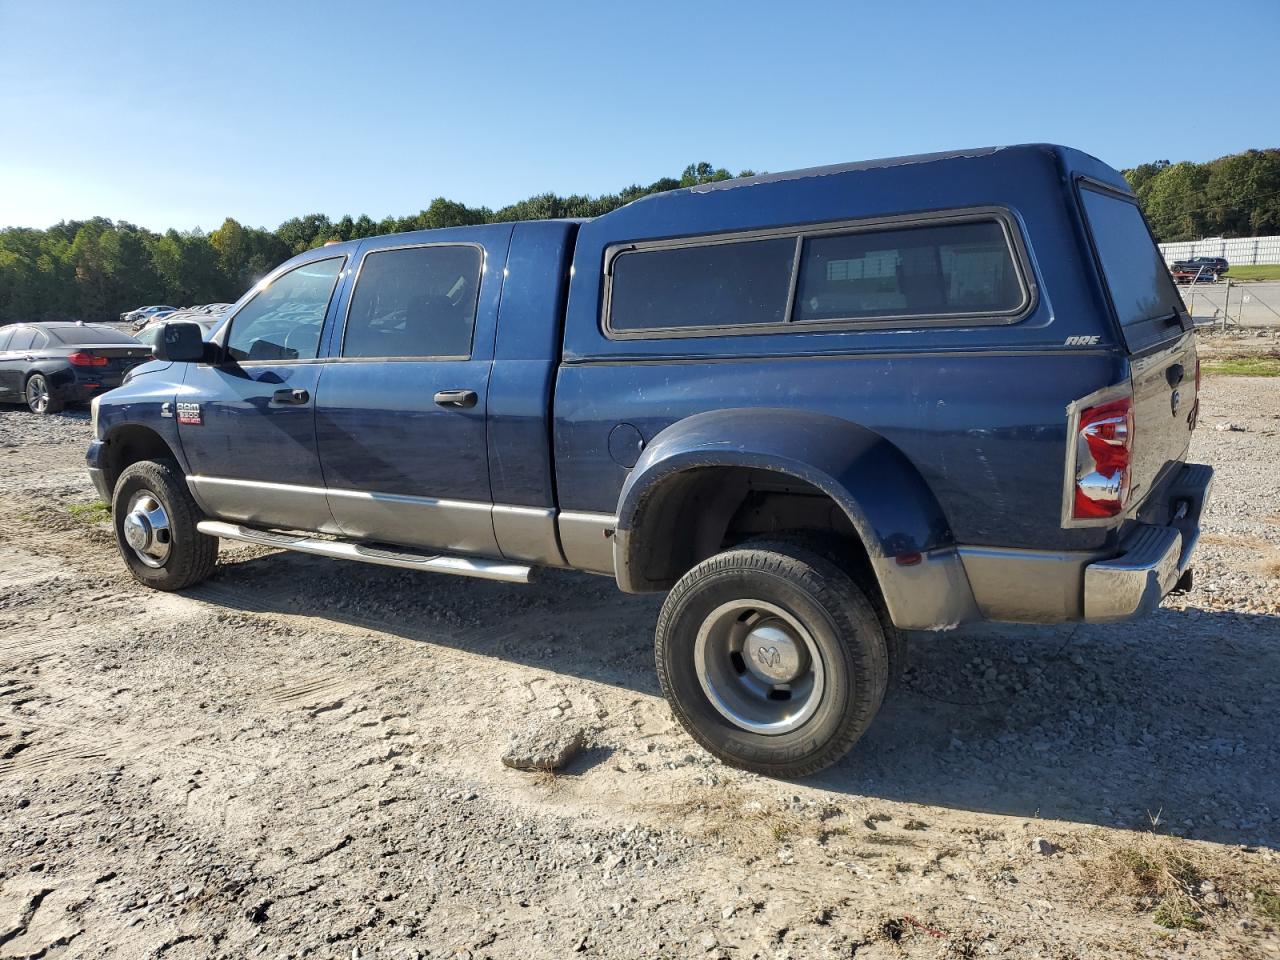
(886, 500)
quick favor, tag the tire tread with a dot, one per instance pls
(187, 565)
(812, 571)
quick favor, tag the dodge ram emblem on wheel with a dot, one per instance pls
(769, 657)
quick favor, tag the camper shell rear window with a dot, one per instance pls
(1146, 302)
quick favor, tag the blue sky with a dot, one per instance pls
(179, 114)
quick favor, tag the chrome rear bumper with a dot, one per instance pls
(969, 582)
(1153, 556)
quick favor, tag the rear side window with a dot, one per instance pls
(1147, 303)
(23, 339)
(924, 273)
(958, 269)
(283, 321)
(709, 285)
(414, 302)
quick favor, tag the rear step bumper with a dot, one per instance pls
(1153, 557)
(479, 567)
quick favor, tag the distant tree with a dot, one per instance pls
(1142, 174)
(696, 173)
(303, 233)
(450, 213)
(1174, 202)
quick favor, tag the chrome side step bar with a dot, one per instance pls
(368, 553)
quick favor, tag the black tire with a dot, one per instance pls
(841, 623)
(40, 396)
(191, 555)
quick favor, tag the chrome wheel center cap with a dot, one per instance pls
(137, 531)
(772, 655)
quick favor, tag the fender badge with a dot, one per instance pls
(1175, 401)
(189, 413)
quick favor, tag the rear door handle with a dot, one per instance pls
(460, 399)
(290, 396)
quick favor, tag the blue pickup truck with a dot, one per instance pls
(819, 408)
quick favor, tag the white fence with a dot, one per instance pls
(1243, 250)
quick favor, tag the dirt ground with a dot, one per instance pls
(301, 758)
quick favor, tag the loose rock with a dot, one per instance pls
(546, 747)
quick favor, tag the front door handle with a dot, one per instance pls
(459, 399)
(290, 396)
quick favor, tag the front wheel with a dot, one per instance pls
(772, 658)
(155, 519)
(40, 398)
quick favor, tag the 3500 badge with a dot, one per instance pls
(189, 413)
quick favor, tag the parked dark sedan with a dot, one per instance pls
(48, 365)
(1201, 265)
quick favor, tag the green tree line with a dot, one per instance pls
(96, 269)
(1233, 196)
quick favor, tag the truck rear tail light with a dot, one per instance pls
(82, 359)
(1104, 444)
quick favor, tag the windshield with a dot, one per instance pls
(1146, 301)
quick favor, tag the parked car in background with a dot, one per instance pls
(1201, 265)
(48, 365)
(1201, 275)
(213, 308)
(144, 315)
(150, 334)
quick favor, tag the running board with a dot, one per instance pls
(367, 553)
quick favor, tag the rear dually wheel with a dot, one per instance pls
(772, 658)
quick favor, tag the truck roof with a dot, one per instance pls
(887, 172)
(1026, 155)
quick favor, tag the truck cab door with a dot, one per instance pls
(247, 422)
(400, 416)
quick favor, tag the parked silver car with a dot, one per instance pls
(144, 315)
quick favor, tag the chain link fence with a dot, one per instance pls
(1232, 304)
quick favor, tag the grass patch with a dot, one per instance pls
(96, 512)
(1184, 885)
(1267, 903)
(1159, 876)
(1263, 271)
(1242, 367)
(1172, 914)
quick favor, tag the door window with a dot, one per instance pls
(6, 334)
(283, 321)
(23, 337)
(414, 302)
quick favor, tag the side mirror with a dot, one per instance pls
(180, 341)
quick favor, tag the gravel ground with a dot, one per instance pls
(302, 758)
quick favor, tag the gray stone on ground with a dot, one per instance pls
(547, 746)
(1043, 847)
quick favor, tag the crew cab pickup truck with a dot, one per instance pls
(819, 408)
